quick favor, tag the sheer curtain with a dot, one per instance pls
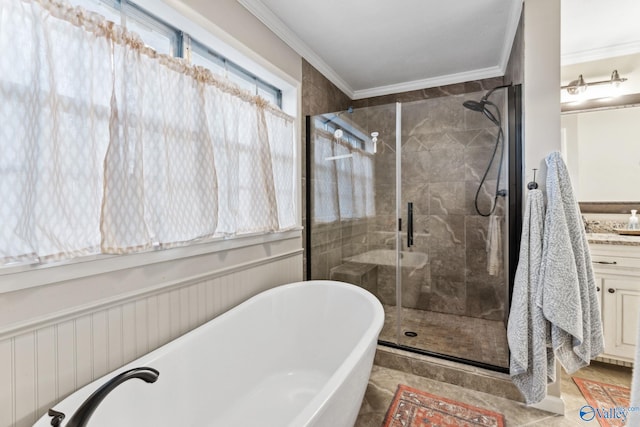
(54, 134)
(280, 128)
(343, 181)
(244, 163)
(325, 197)
(160, 179)
(363, 184)
(110, 147)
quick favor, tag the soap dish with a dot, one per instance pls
(627, 232)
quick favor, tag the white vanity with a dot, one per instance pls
(616, 265)
(601, 151)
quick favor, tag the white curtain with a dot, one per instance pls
(343, 181)
(280, 128)
(54, 134)
(160, 179)
(325, 198)
(363, 185)
(243, 163)
(110, 147)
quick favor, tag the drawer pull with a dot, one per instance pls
(606, 262)
(611, 291)
(597, 288)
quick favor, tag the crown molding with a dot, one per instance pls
(601, 53)
(275, 24)
(483, 73)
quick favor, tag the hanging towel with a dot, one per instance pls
(633, 417)
(567, 293)
(494, 246)
(532, 362)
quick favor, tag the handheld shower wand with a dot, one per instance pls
(482, 106)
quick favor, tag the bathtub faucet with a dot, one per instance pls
(81, 417)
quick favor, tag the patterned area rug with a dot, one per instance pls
(414, 408)
(606, 403)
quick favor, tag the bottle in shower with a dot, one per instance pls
(633, 220)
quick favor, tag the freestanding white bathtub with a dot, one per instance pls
(296, 355)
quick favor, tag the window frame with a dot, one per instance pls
(24, 276)
(230, 67)
(182, 43)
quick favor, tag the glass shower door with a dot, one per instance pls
(410, 202)
(352, 217)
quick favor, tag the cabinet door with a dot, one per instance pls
(600, 288)
(621, 309)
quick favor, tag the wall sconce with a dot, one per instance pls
(579, 86)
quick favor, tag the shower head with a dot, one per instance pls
(480, 106)
(474, 105)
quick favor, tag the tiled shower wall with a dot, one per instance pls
(320, 96)
(445, 151)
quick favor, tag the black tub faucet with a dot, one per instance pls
(84, 412)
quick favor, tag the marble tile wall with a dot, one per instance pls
(430, 93)
(445, 151)
(320, 96)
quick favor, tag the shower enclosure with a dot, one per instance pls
(418, 203)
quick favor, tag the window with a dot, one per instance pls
(108, 148)
(168, 40)
(205, 57)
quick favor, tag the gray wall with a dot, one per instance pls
(319, 96)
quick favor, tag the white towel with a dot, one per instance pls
(633, 418)
(494, 246)
(567, 293)
(532, 362)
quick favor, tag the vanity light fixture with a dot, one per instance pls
(579, 86)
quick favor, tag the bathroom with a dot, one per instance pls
(66, 325)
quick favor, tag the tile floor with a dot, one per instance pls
(383, 383)
(460, 336)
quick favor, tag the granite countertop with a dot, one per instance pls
(613, 239)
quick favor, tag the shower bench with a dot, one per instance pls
(356, 273)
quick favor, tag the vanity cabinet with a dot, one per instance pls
(617, 272)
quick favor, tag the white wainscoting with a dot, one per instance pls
(49, 357)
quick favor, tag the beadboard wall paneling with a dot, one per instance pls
(71, 294)
(43, 363)
(7, 396)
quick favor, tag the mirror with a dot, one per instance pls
(602, 151)
(601, 131)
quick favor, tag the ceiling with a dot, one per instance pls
(596, 29)
(369, 48)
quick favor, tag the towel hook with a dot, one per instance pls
(533, 184)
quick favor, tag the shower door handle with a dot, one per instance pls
(409, 224)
